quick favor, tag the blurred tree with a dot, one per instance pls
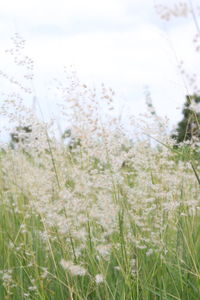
(189, 127)
(20, 134)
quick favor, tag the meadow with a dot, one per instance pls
(102, 216)
(101, 212)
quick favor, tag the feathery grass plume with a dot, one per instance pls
(103, 218)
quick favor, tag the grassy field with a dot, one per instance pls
(105, 219)
(111, 211)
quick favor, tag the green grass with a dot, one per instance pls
(170, 271)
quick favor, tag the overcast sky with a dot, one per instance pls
(122, 43)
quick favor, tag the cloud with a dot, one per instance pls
(59, 12)
(64, 16)
(115, 41)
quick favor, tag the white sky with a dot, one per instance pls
(122, 43)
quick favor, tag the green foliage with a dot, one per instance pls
(188, 127)
(20, 134)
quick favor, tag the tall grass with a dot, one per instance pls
(103, 219)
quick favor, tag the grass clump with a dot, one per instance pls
(107, 219)
(101, 217)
